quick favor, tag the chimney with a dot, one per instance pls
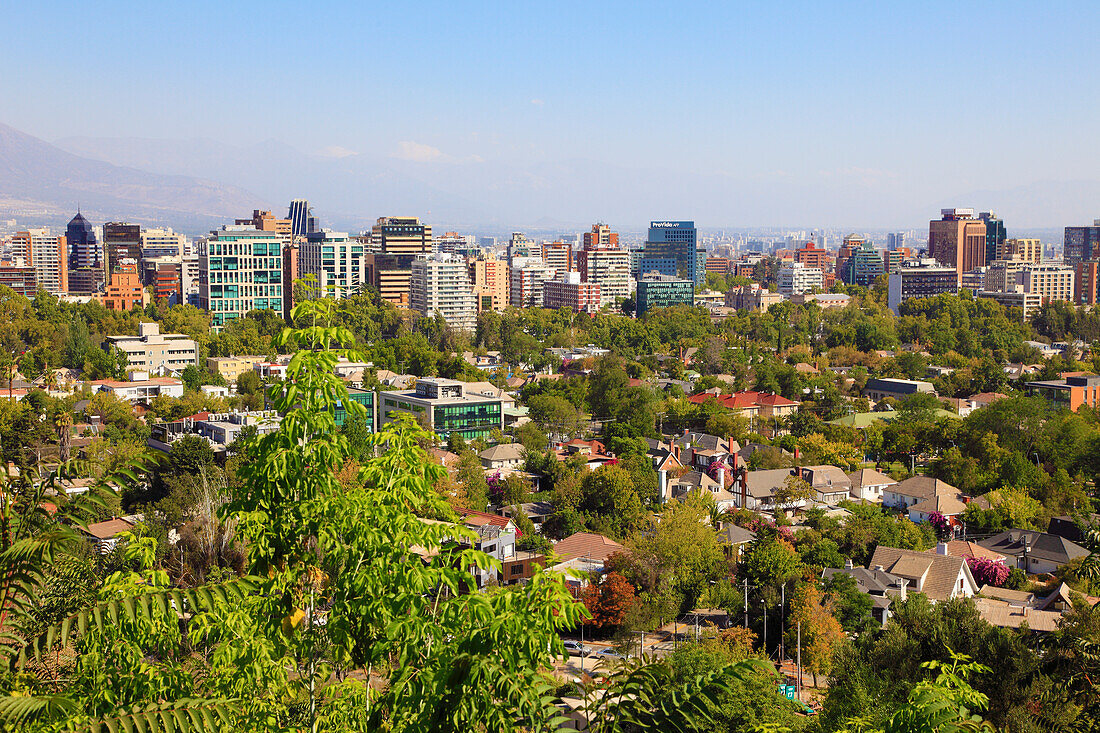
(848, 563)
(941, 548)
(796, 454)
(904, 594)
(722, 476)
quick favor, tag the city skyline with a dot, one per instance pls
(795, 116)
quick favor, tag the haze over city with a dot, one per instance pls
(796, 114)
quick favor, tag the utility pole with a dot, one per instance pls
(764, 605)
(582, 649)
(798, 663)
(782, 617)
(746, 603)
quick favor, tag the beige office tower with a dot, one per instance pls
(397, 241)
(1028, 250)
(957, 240)
(490, 280)
(47, 254)
(265, 221)
(1051, 281)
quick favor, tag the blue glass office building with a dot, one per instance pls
(672, 248)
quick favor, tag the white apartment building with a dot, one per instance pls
(337, 261)
(795, 278)
(155, 352)
(441, 284)
(1051, 281)
(164, 243)
(528, 276)
(610, 269)
(45, 252)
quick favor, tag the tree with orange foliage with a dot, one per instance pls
(822, 634)
(609, 601)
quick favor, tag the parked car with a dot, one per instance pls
(610, 653)
(576, 648)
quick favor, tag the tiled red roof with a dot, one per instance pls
(587, 544)
(493, 519)
(741, 400)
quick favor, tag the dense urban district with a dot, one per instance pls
(284, 478)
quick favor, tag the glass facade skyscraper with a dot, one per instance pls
(672, 248)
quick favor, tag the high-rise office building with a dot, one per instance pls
(1082, 243)
(957, 240)
(1051, 280)
(302, 221)
(1087, 281)
(1029, 250)
(895, 240)
(440, 284)
(601, 237)
(490, 280)
(863, 263)
(397, 241)
(663, 291)
(123, 291)
(924, 278)
(265, 221)
(795, 278)
(995, 236)
(86, 273)
(520, 246)
(48, 254)
(528, 276)
(164, 243)
(672, 248)
(165, 276)
(122, 241)
(567, 291)
(558, 256)
(610, 269)
(240, 269)
(337, 261)
(812, 255)
(1000, 275)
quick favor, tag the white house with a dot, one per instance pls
(869, 485)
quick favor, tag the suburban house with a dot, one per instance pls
(1034, 552)
(700, 449)
(831, 484)
(690, 481)
(537, 511)
(734, 539)
(881, 586)
(940, 577)
(966, 549)
(761, 408)
(950, 506)
(915, 490)
(592, 450)
(898, 389)
(104, 536)
(588, 545)
(869, 485)
(503, 457)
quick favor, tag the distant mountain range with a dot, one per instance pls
(43, 184)
(198, 184)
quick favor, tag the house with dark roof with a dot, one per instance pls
(940, 577)
(1034, 552)
(734, 539)
(881, 586)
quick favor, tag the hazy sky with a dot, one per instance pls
(925, 100)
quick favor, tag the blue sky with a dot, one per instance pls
(927, 100)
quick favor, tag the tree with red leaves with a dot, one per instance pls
(609, 601)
